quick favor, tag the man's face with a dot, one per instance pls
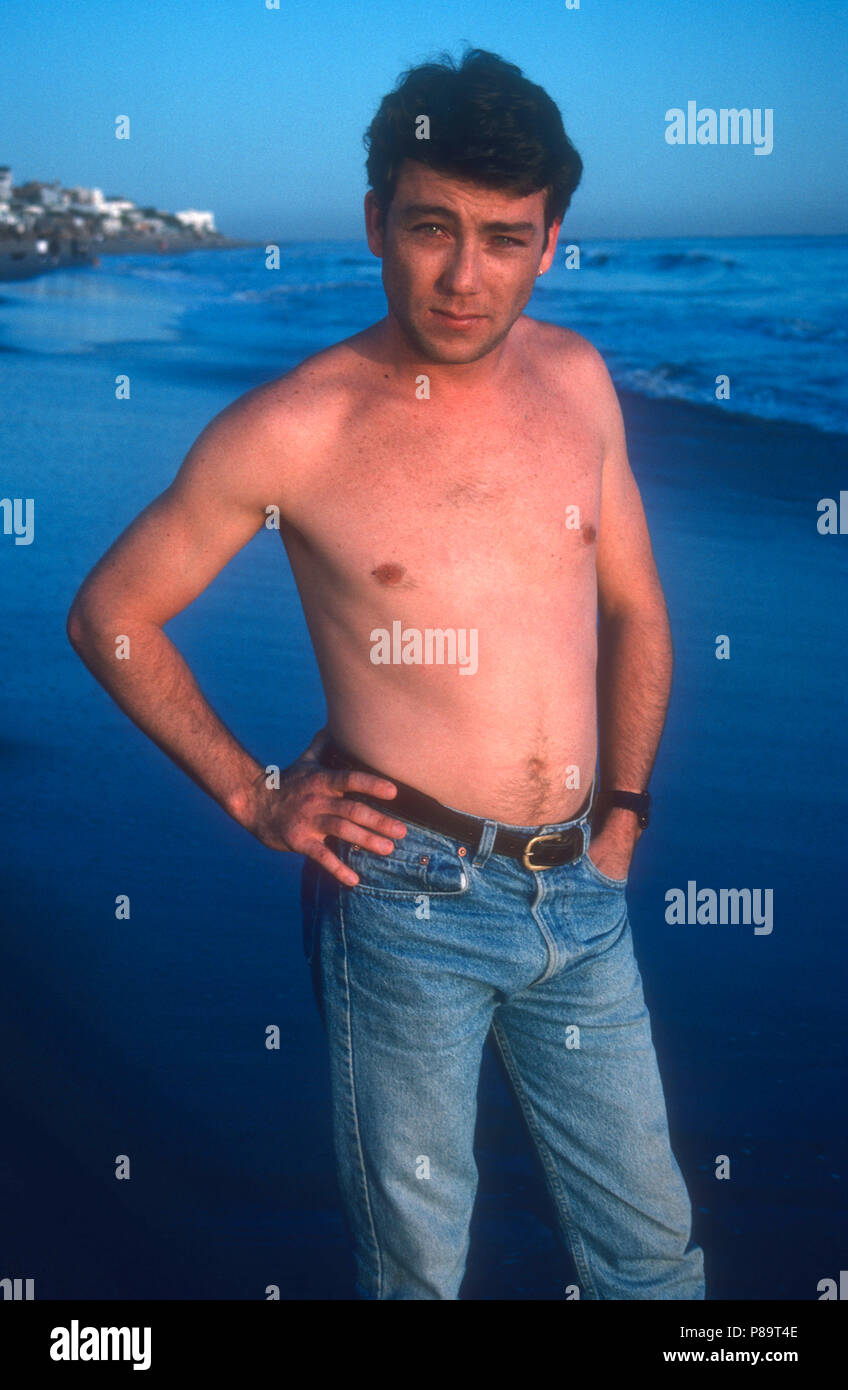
(459, 260)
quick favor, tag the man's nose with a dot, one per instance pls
(461, 275)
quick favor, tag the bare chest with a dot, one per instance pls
(459, 507)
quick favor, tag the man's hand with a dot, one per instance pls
(612, 843)
(311, 802)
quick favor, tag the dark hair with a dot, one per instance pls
(488, 123)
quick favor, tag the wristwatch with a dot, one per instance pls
(640, 802)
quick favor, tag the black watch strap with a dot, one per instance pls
(640, 802)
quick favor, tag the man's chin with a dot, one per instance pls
(438, 347)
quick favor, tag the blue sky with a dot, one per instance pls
(258, 114)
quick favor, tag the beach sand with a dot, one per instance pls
(146, 1036)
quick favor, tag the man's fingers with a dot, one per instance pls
(361, 814)
(347, 780)
(355, 834)
(325, 857)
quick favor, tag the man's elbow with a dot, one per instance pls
(646, 607)
(77, 627)
(643, 615)
(93, 622)
(85, 622)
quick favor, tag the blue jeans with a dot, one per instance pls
(438, 946)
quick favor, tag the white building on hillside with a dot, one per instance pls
(198, 221)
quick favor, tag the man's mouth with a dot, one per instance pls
(455, 320)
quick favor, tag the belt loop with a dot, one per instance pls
(487, 839)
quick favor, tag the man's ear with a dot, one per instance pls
(374, 223)
(550, 247)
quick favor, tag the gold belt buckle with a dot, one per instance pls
(552, 835)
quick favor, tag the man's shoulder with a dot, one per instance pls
(573, 366)
(269, 437)
(306, 403)
(562, 347)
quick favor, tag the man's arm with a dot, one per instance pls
(634, 642)
(165, 559)
(167, 556)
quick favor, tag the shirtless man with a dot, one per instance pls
(453, 479)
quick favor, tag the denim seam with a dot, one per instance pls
(352, 1080)
(553, 952)
(408, 894)
(575, 1240)
(310, 912)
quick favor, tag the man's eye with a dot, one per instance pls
(504, 240)
(427, 227)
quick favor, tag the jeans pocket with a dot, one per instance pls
(593, 870)
(596, 906)
(423, 862)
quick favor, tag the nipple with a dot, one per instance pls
(388, 573)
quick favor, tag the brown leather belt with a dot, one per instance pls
(545, 850)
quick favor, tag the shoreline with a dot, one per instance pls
(23, 258)
(705, 419)
(702, 417)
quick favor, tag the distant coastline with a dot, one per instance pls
(22, 258)
(44, 226)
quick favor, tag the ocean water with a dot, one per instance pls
(146, 1036)
(771, 313)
